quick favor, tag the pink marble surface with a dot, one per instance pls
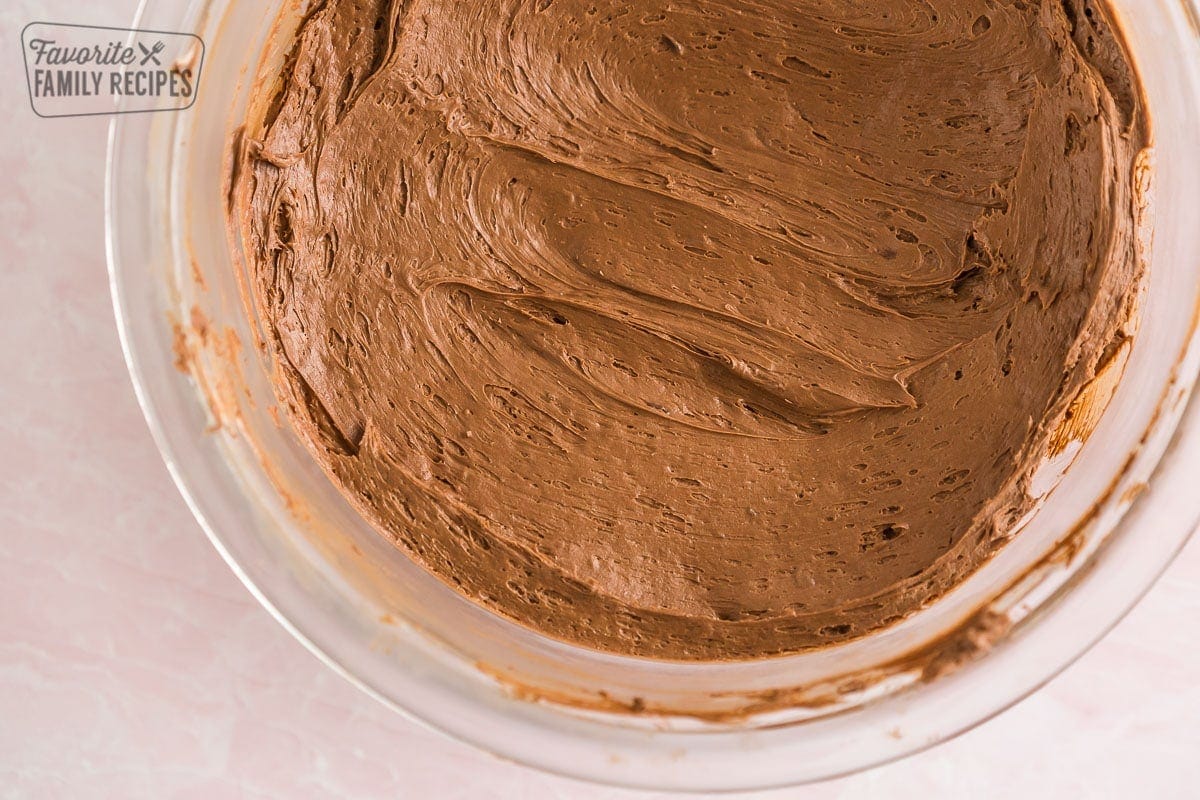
(133, 664)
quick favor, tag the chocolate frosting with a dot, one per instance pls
(693, 329)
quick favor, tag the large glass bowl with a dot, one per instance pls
(1123, 508)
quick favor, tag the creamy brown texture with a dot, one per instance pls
(695, 330)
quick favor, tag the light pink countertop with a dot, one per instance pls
(133, 664)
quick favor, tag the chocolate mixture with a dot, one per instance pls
(694, 329)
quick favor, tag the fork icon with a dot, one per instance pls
(149, 54)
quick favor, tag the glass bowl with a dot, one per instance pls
(1123, 506)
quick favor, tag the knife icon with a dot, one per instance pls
(149, 54)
